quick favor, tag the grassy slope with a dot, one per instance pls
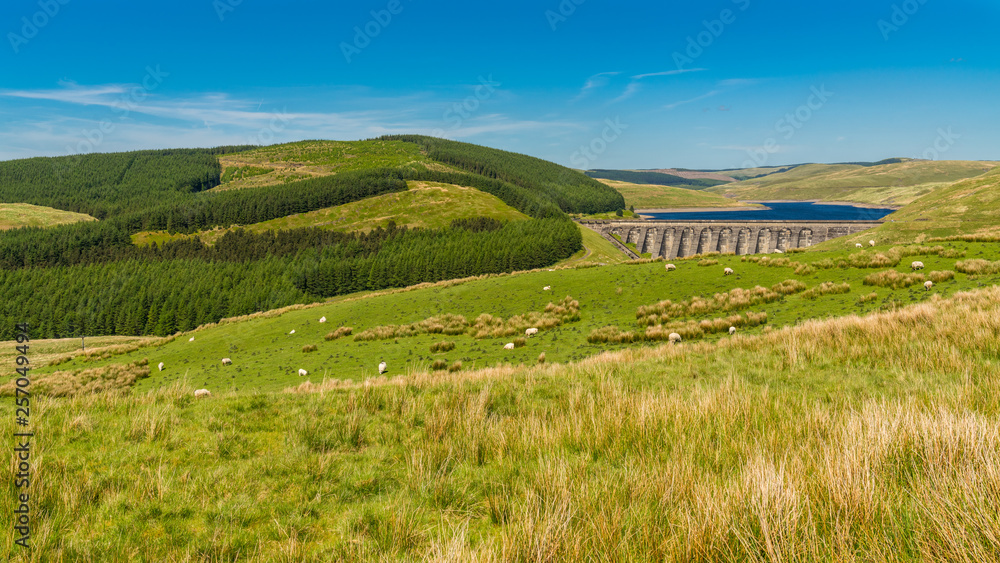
(648, 196)
(307, 159)
(425, 204)
(890, 184)
(267, 357)
(968, 207)
(596, 250)
(16, 215)
(868, 439)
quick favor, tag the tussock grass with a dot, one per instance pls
(339, 333)
(309, 348)
(445, 346)
(893, 279)
(114, 377)
(978, 267)
(708, 262)
(826, 288)
(484, 326)
(689, 330)
(735, 299)
(873, 296)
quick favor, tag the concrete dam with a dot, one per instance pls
(679, 239)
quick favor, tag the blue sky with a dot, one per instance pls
(585, 83)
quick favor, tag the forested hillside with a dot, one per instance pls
(653, 178)
(572, 191)
(89, 278)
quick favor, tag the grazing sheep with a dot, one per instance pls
(508, 346)
(674, 338)
(226, 361)
(917, 266)
(293, 331)
(303, 373)
(546, 288)
(728, 271)
(779, 251)
(203, 393)
(732, 330)
(871, 243)
(160, 366)
(322, 319)
(191, 339)
(671, 267)
(382, 368)
(928, 285)
(858, 245)
(531, 332)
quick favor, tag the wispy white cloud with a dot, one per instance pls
(635, 85)
(598, 80)
(692, 100)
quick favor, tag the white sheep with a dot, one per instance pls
(191, 339)
(226, 361)
(293, 331)
(508, 346)
(732, 330)
(531, 332)
(203, 393)
(161, 366)
(303, 373)
(671, 267)
(546, 288)
(779, 251)
(928, 285)
(674, 338)
(728, 271)
(382, 367)
(917, 266)
(322, 319)
(871, 243)
(858, 245)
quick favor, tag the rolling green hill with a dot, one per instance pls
(654, 178)
(897, 183)
(431, 205)
(969, 209)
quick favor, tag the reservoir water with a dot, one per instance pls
(780, 211)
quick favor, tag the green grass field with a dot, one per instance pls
(17, 215)
(431, 205)
(859, 438)
(307, 159)
(643, 196)
(888, 184)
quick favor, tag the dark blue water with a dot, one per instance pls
(786, 211)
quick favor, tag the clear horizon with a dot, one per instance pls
(584, 83)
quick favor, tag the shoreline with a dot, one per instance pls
(700, 209)
(819, 202)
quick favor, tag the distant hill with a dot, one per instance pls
(897, 182)
(966, 208)
(654, 177)
(651, 196)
